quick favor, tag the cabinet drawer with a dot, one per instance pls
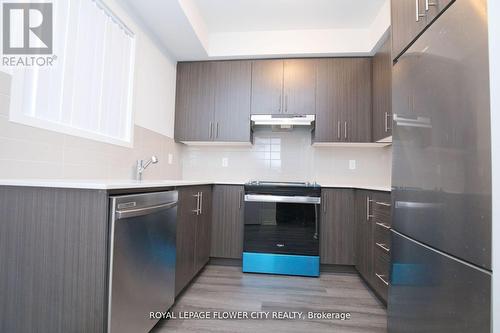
(381, 274)
(382, 238)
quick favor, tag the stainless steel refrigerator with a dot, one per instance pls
(441, 178)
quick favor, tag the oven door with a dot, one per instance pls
(281, 224)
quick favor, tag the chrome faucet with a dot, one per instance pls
(141, 166)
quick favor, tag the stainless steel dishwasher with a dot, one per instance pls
(142, 259)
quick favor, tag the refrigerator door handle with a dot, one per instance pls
(423, 122)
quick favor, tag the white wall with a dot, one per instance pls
(494, 40)
(154, 89)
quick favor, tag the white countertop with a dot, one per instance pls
(101, 184)
(98, 184)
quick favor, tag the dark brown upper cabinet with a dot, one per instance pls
(284, 86)
(343, 100)
(267, 87)
(409, 18)
(299, 86)
(213, 101)
(382, 86)
(337, 228)
(232, 101)
(194, 103)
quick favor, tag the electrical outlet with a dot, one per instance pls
(352, 164)
(170, 158)
(225, 162)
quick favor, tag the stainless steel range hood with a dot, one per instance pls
(283, 120)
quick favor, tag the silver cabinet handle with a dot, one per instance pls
(286, 103)
(381, 277)
(386, 123)
(197, 210)
(417, 12)
(240, 194)
(383, 225)
(281, 103)
(345, 130)
(338, 129)
(383, 204)
(210, 128)
(368, 216)
(201, 203)
(217, 131)
(383, 247)
(429, 4)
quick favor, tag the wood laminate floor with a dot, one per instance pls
(226, 288)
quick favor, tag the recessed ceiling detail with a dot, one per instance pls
(219, 29)
(265, 15)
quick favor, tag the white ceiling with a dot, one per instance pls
(220, 29)
(261, 15)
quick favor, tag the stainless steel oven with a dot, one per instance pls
(281, 234)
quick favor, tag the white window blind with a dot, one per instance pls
(88, 90)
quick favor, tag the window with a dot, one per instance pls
(88, 90)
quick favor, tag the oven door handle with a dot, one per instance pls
(282, 198)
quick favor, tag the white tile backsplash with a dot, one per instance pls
(289, 156)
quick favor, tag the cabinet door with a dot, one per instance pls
(364, 230)
(408, 19)
(227, 222)
(355, 99)
(361, 237)
(267, 86)
(194, 109)
(328, 109)
(232, 100)
(203, 228)
(337, 227)
(186, 223)
(343, 100)
(299, 86)
(382, 86)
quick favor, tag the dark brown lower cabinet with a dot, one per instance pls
(203, 229)
(373, 223)
(227, 221)
(54, 260)
(364, 234)
(337, 227)
(194, 216)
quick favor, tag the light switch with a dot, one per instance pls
(170, 158)
(352, 164)
(225, 162)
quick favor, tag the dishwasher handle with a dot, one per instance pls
(123, 214)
